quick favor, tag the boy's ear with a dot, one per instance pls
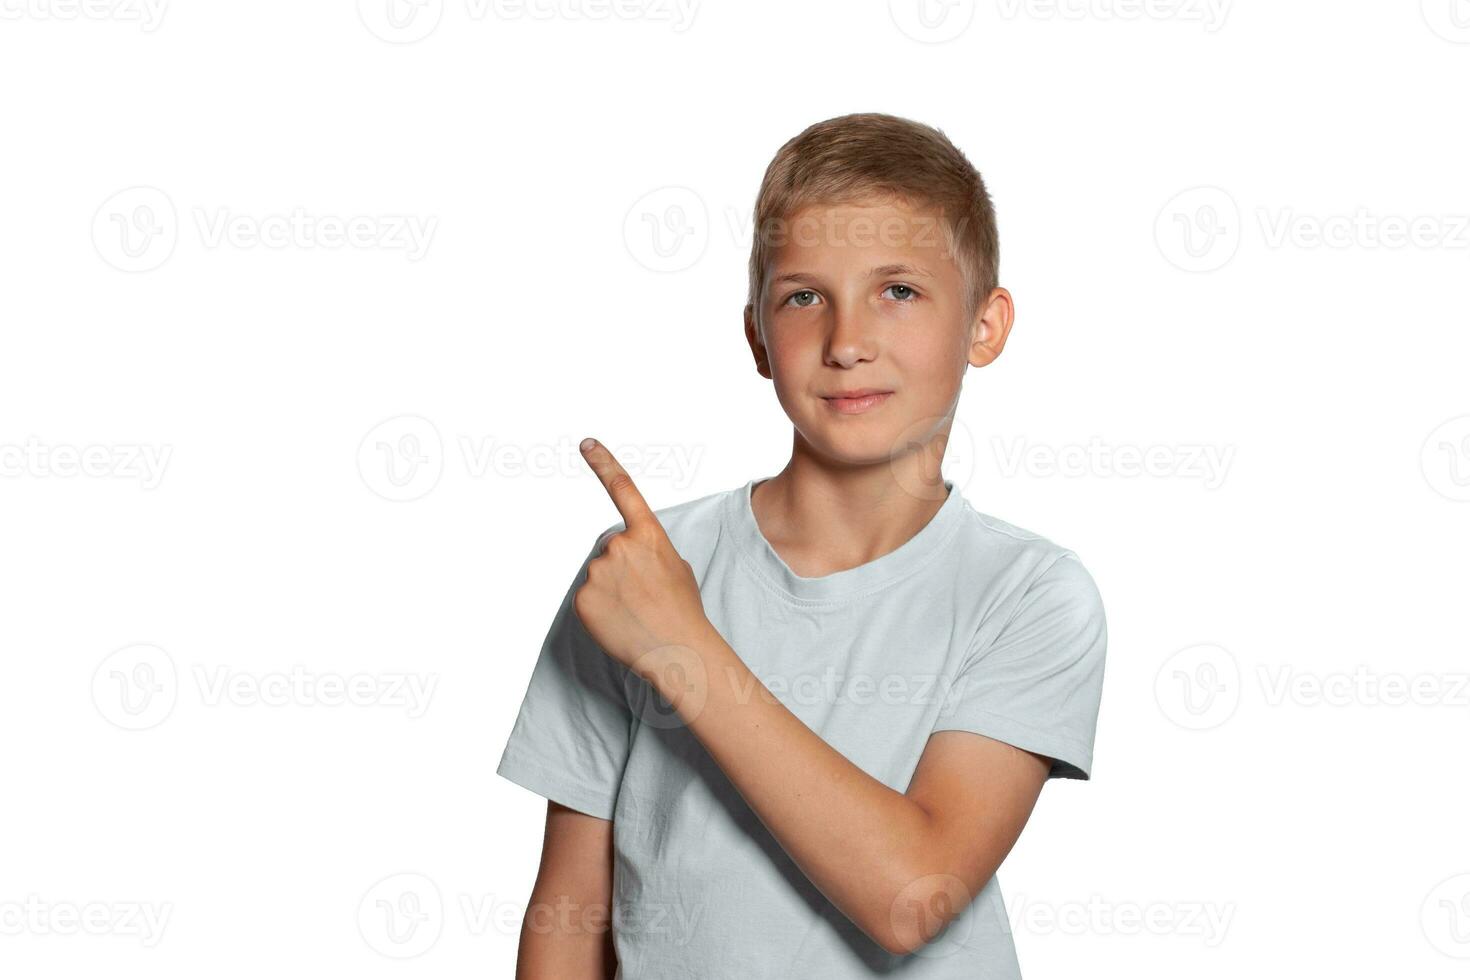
(991, 327)
(757, 348)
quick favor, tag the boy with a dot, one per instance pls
(793, 728)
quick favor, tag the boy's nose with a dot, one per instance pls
(852, 338)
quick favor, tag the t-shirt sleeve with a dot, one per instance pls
(1038, 684)
(570, 740)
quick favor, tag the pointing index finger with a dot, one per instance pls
(618, 484)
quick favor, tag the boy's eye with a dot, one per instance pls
(805, 297)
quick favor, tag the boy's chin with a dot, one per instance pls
(864, 444)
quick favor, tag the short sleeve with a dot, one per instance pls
(570, 739)
(1038, 684)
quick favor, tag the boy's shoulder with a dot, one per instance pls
(1029, 560)
(1002, 536)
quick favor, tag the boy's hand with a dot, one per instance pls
(640, 595)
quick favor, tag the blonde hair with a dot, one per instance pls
(864, 155)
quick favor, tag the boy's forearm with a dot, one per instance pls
(860, 842)
(562, 939)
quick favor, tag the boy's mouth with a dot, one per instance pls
(857, 400)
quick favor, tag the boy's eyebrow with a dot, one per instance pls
(897, 269)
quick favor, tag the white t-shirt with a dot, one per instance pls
(972, 624)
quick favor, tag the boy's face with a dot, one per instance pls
(868, 297)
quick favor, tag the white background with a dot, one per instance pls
(1255, 829)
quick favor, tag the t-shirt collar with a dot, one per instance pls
(913, 554)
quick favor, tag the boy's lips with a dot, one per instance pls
(856, 400)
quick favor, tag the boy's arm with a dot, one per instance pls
(566, 932)
(900, 866)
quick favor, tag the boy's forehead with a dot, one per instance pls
(833, 236)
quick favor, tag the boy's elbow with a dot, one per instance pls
(921, 907)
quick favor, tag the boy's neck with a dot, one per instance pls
(821, 521)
